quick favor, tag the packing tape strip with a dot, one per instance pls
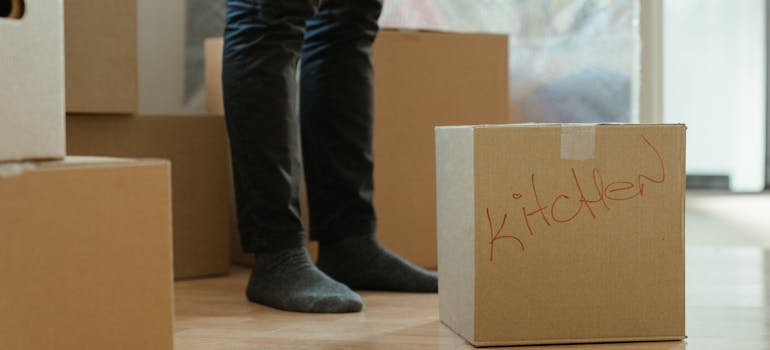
(578, 141)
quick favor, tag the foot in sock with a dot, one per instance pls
(361, 262)
(288, 280)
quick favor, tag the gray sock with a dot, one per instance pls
(361, 262)
(288, 280)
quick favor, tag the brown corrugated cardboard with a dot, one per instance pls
(86, 255)
(561, 234)
(101, 56)
(422, 79)
(197, 148)
(32, 75)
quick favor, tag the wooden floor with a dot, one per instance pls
(728, 292)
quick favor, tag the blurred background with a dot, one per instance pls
(701, 63)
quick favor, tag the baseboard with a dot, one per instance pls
(712, 182)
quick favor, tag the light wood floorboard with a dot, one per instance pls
(728, 290)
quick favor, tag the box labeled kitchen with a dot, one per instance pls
(553, 234)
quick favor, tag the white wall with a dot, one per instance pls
(714, 81)
(161, 56)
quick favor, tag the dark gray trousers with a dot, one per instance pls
(264, 41)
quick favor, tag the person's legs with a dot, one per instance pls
(262, 48)
(336, 113)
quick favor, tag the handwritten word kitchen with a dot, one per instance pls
(591, 194)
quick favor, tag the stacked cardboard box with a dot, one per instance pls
(422, 79)
(32, 74)
(203, 199)
(101, 56)
(102, 70)
(86, 254)
(561, 234)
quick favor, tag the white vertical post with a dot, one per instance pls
(649, 97)
(748, 172)
(161, 36)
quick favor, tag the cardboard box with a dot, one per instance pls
(86, 255)
(561, 234)
(32, 75)
(101, 56)
(203, 199)
(423, 79)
